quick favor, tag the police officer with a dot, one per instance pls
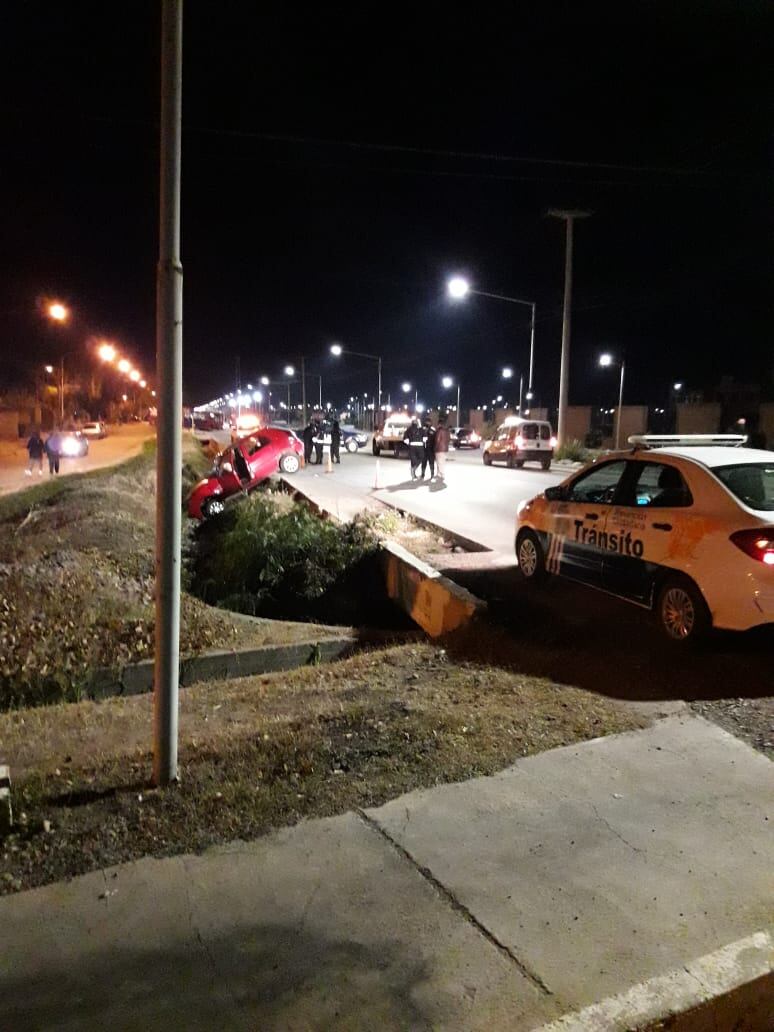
(335, 441)
(428, 457)
(415, 442)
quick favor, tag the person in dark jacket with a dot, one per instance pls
(35, 449)
(428, 458)
(53, 451)
(415, 442)
(308, 437)
(335, 441)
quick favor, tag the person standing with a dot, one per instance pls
(53, 451)
(335, 441)
(308, 437)
(415, 442)
(441, 442)
(35, 449)
(428, 458)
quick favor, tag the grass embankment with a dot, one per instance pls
(267, 751)
(77, 581)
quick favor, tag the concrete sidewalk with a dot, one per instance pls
(593, 875)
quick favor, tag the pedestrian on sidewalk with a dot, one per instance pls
(53, 451)
(415, 442)
(428, 459)
(335, 441)
(442, 439)
(35, 450)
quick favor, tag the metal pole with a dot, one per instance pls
(169, 369)
(521, 391)
(564, 367)
(320, 378)
(531, 346)
(620, 406)
(458, 420)
(303, 391)
(380, 391)
(61, 392)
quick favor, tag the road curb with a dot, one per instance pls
(137, 678)
(729, 989)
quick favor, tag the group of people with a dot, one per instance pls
(37, 448)
(320, 434)
(428, 447)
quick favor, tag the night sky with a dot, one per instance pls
(339, 164)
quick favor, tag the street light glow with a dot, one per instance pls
(336, 349)
(678, 386)
(265, 381)
(406, 387)
(134, 376)
(49, 368)
(447, 382)
(257, 396)
(458, 288)
(58, 312)
(107, 352)
(143, 384)
(529, 395)
(290, 370)
(124, 365)
(507, 373)
(606, 359)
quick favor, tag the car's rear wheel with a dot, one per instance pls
(487, 458)
(289, 463)
(530, 556)
(212, 507)
(681, 611)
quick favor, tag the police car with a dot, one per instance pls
(683, 526)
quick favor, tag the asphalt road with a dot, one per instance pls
(476, 501)
(121, 443)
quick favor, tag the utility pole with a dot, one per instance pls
(531, 345)
(569, 217)
(61, 393)
(303, 391)
(620, 405)
(169, 369)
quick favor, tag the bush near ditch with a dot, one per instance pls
(572, 451)
(268, 556)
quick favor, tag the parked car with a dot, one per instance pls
(72, 444)
(685, 530)
(96, 430)
(465, 437)
(518, 441)
(353, 439)
(244, 465)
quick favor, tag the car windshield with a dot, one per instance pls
(753, 483)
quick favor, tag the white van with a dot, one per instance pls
(517, 441)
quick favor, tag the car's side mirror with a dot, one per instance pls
(557, 494)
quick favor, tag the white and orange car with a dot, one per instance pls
(683, 526)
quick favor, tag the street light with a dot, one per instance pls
(124, 365)
(507, 375)
(407, 388)
(58, 312)
(458, 289)
(290, 370)
(606, 360)
(338, 350)
(447, 382)
(134, 376)
(49, 368)
(106, 352)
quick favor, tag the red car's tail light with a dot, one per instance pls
(759, 544)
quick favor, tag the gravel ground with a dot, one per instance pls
(749, 719)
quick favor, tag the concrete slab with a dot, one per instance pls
(604, 864)
(322, 926)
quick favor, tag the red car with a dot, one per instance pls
(243, 466)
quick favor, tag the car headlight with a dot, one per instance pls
(70, 446)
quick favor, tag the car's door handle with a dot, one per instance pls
(662, 526)
(592, 515)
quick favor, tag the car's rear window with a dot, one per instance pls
(752, 483)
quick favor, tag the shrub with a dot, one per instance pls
(574, 451)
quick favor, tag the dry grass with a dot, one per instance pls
(267, 751)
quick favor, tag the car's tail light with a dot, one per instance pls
(553, 442)
(756, 543)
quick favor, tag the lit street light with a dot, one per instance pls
(106, 352)
(134, 376)
(606, 361)
(290, 370)
(49, 369)
(458, 289)
(338, 350)
(124, 366)
(407, 388)
(447, 382)
(58, 312)
(507, 375)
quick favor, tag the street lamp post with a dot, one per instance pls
(607, 360)
(564, 367)
(406, 387)
(448, 382)
(459, 288)
(337, 350)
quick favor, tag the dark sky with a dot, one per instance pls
(338, 164)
